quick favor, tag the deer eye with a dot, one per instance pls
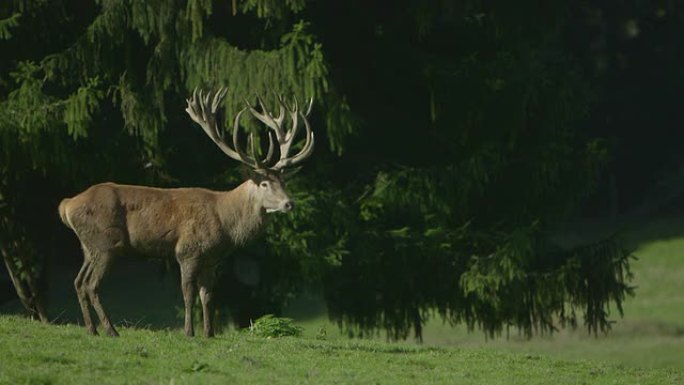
(263, 184)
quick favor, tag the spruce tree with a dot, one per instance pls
(450, 147)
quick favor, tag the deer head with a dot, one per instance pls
(267, 173)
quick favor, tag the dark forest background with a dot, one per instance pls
(456, 142)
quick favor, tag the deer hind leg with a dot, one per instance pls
(99, 267)
(83, 296)
(206, 289)
(188, 277)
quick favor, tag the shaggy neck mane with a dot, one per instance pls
(240, 212)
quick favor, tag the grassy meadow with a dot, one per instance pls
(34, 353)
(651, 333)
(644, 347)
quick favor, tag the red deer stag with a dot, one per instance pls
(196, 226)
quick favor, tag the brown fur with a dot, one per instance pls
(196, 226)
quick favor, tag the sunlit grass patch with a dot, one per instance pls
(32, 353)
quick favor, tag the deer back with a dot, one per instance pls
(150, 221)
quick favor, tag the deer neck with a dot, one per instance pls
(241, 212)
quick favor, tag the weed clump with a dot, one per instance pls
(270, 326)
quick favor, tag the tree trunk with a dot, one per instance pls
(24, 279)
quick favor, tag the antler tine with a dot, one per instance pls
(202, 104)
(264, 117)
(260, 163)
(290, 134)
(281, 110)
(218, 98)
(277, 122)
(251, 144)
(308, 109)
(306, 151)
(295, 123)
(252, 160)
(236, 142)
(205, 100)
(193, 98)
(269, 154)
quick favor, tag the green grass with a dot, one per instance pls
(644, 347)
(33, 353)
(651, 334)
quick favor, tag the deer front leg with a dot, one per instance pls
(188, 276)
(206, 288)
(99, 266)
(206, 295)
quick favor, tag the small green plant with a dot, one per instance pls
(322, 333)
(197, 367)
(270, 326)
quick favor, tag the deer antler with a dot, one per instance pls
(202, 109)
(203, 112)
(286, 138)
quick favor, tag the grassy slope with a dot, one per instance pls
(33, 353)
(651, 334)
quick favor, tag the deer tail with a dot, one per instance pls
(63, 212)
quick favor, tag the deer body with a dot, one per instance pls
(196, 226)
(159, 222)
